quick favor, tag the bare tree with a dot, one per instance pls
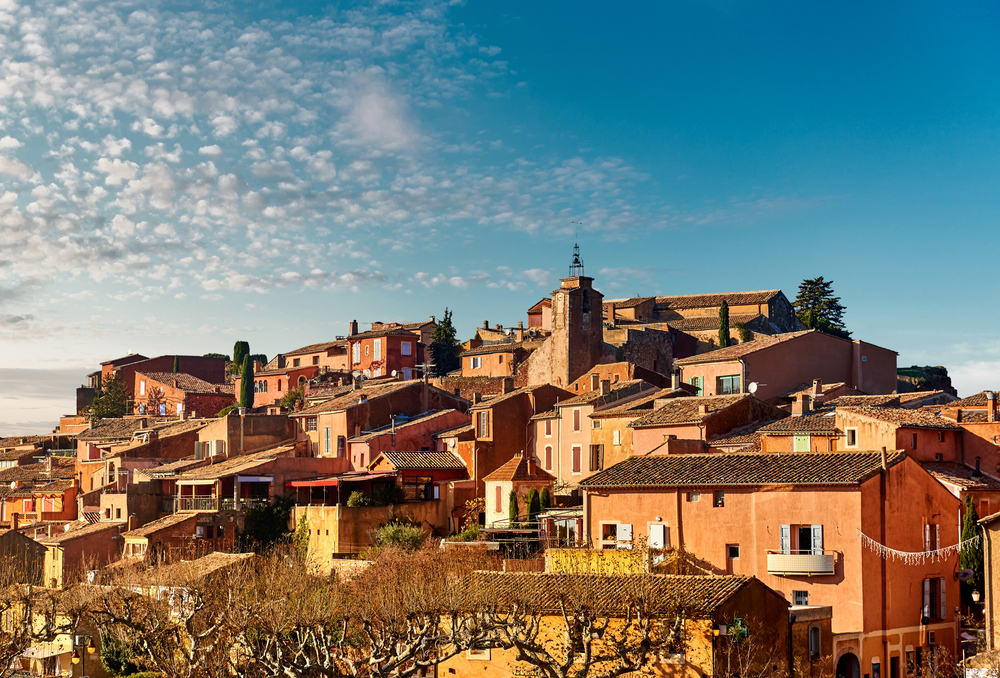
(749, 649)
(605, 625)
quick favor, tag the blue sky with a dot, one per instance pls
(178, 176)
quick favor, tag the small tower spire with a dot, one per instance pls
(576, 268)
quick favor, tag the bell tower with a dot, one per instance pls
(577, 324)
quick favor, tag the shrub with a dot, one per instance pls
(385, 495)
(545, 498)
(470, 532)
(534, 504)
(401, 535)
(358, 499)
(224, 412)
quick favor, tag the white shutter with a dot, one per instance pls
(197, 449)
(657, 536)
(786, 538)
(927, 538)
(617, 437)
(944, 606)
(927, 597)
(937, 537)
(623, 532)
(220, 446)
(817, 540)
(378, 349)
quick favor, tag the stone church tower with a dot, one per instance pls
(577, 330)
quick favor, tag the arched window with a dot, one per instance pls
(814, 642)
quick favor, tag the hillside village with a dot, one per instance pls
(792, 481)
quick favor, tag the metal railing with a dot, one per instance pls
(244, 503)
(806, 562)
(196, 504)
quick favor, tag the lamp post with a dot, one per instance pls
(79, 656)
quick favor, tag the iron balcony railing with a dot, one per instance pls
(196, 504)
(244, 503)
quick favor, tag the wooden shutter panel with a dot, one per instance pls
(197, 449)
(944, 606)
(927, 538)
(786, 538)
(817, 539)
(937, 537)
(657, 536)
(927, 597)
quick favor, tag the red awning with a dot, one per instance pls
(341, 480)
(328, 482)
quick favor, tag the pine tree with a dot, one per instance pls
(545, 498)
(513, 512)
(818, 309)
(111, 400)
(971, 556)
(443, 343)
(246, 383)
(724, 324)
(240, 351)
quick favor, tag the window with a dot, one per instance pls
(311, 423)
(814, 639)
(341, 446)
(940, 436)
(118, 514)
(326, 440)
(732, 551)
(548, 428)
(595, 423)
(596, 457)
(699, 384)
(718, 499)
(577, 451)
(852, 437)
(407, 374)
(406, 348)
(315, 360)
(935, 606)
(163, 409)
(576, 420)
(142, 387)
(548, 457)
(693, 496)
(378, 349)
(499, 503)
(800, 597)
(476, 362)
(367, 350)
(801, 443)
(728, 384)
(913, 441)
(279, 386)
(801, 539)
(356, 352)
(296, 362)
(932, 538)
(484, 424)
(616, 437)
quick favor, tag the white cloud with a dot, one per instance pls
(7, 143)
(212, 151)
(118, 171)
(14, 168)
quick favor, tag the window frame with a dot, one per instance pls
(718, 499)
(850, 431)
(725, 384)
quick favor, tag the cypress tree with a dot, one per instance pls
(177, 364)
(724, 324)
(241, 350)
(971, 555)
(246, 383)
(534, 504)
(512, 510)
(545, 498)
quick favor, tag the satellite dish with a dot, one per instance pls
(965, 575)
(752, 387)
(394, 373)
(356, 373)
(367, 373)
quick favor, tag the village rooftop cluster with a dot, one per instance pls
(787, 477)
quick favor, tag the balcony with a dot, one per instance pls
(196, 504)
(244, 503)
(800, 563)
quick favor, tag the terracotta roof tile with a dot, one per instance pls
(517, 392)
(188, 383)
(960, 475)
(709, 322)
(235, 465)
(162, 524)
(381, 431)
(79, 530)
(743, 470)
(638, 407)
(887, 400)
(684, 301)
(902, 417)
(385, 332)
(415, 461)
(977, 400)
(807, 389)
(687, 410)
(345, 398)
(588, 397)
(173, 468)
(112, 429)
(740, 350)
(16, 441)
(627, 303)
(316, 348)
(62, 468)
(817, 422)
(504, 347)
(699, 595)
(458, 430)
(517, 469)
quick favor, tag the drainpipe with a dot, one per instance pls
(791, 653)
(743, 376)
(988, 589)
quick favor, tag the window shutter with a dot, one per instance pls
(927, 597)
(576, 460)
(576, 420)
(944, 606)
(817, 540)
(617, 437)
(785, 532)
(221, 447)
(937, 537)
(657, 536)
(623, 532)
(197, 450)
(927, 538)
(499, 498)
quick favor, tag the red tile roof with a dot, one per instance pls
(417, 461)
(638, 407)
(961, 475)
(902, 417)
(517, 470)
(505, 347)
(687, 410)
(386, 332)
(819, 422)
(709, 322)
(743, 470)
(685, 301)
(187, 382)
(317, 348)
(977, 400)
(740, 350)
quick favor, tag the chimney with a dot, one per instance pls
(595, 382)
(15, 521)
(885, 461)
(363, 398)
(519, 332)
(354, 327)
(611, 313)
(477, 398)
(531, 464)
(433, 319)
(977, 473)
(257, 366)
(958, 416)
(675, 380)
(801, 405)
(486, 324)
(499, 327)
(817, 391)
(507, 385)
(702, 408)
(176, 384)
(991, 406)
(133, 522)
(605, 386)
(48, 464)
